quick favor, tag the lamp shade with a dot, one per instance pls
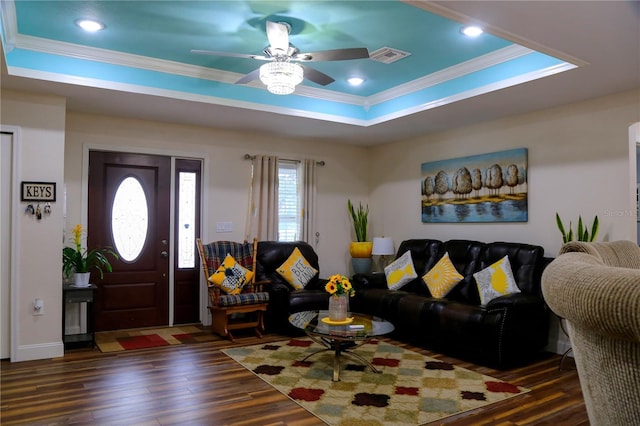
(382, 246)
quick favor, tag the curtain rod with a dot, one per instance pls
(253, 157)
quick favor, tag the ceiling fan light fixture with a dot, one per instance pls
(355, 81)
(281, 77)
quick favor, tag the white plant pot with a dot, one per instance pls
(81, 279)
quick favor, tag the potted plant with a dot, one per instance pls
(582, 233)
(360, 219)
(360, 250)
(82, 262)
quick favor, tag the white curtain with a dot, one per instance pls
(308, 230)
(263, 211)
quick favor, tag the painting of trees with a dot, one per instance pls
(462, 183)
(481, 188)
(441, 183)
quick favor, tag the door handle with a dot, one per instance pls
(164, 254)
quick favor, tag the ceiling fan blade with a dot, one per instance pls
(253, 75)
(278, 35)
(334, 55)
(229, 54)
(316, 76)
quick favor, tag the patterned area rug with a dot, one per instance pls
(412, 389)
(113, 341)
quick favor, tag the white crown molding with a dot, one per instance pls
(477, 64)
(170, 67)
(524, 78)
(9, 24)
(145, 90)
(71, 50)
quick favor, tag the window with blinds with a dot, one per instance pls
(288, 201)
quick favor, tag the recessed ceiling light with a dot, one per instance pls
(90, 25)
(355, 81)
(472, 31)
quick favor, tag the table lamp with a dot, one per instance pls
(382, 246)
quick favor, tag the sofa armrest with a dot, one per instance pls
(360, 281)
(518, 301)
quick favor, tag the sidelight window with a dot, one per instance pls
(186, 219)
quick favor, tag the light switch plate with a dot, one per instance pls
(224, 227)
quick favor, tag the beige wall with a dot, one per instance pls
(227, 173)
(38, 262)
(579, 164)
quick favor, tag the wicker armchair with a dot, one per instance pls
(237, 307)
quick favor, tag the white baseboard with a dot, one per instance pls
(39, 351)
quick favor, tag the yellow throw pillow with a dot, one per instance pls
(442, 278)
(495, 281)
(231, 276)
(296, 270)
(400, 272)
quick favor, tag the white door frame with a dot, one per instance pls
(204, 312)
(634, 145)
(14, 202)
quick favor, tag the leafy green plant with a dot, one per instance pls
(582, 233)
(360, 220)
(75, 259)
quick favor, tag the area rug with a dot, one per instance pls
(412, 389)
(113, 341)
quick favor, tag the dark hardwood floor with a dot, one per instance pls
(199, 385)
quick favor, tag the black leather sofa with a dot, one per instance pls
(283, 299)
(508, 331)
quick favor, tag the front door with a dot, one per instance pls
(129, 210)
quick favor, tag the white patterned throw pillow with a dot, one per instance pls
(496, 280)
(400, 272)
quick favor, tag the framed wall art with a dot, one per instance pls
(480, 188)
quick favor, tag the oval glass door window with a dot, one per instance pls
(129, 219)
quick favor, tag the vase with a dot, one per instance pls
(361, 265)
(360, 249)
(338, 307)
(81, 279)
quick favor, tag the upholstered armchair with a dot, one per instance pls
(595, 287)
(236, 299)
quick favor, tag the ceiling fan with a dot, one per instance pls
(282, 72)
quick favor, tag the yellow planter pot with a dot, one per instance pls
(361, 249)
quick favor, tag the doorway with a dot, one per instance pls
(131, 202)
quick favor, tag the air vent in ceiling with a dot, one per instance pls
(388, 55)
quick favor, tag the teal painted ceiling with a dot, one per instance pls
(145, 48)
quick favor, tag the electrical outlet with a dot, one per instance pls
(224, 227)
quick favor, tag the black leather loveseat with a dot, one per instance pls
(509, 330)
(283, 299)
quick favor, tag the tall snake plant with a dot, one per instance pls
(360, 220)
(582, 234)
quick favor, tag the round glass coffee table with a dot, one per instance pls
(343, 338)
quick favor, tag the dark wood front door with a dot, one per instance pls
(136, 293)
